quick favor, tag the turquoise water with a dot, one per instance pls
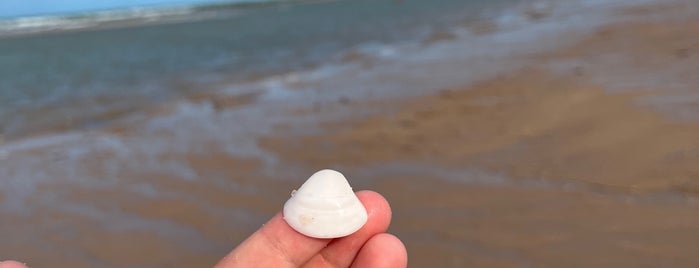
(92, 71)
(18, 8)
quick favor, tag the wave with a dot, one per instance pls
(133, 16)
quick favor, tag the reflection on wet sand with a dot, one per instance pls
(579, 157)
(585, 167)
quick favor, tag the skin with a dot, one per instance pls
(276, 244)
(12, 264)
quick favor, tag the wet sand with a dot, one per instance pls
(106, 230)
(570, 161)
(586, 156)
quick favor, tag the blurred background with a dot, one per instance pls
(509, 133)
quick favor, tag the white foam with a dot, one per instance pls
(137, 15)
(398, 70)
(62, 22)
(38, 142)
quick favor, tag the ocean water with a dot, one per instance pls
(80, 76)
(152, 124)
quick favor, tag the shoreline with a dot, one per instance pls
(142, 16)
(514, 22)
(531, 158)
(573, 158)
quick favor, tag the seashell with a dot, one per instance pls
(325, 207)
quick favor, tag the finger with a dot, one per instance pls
(342, 251)
(12, 264)
(382, 251)
(276, 244)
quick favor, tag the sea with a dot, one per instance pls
(64, 77)
(90, 101)
(81, 67)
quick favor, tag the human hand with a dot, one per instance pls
(276, 244)
(12, 264)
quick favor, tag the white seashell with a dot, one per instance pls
(325, 207)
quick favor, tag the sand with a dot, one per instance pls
(586, 156)
(570, 161)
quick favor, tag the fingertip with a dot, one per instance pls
(399, 257)
(392, 241)
(12, 264)
(376, 205)
(382, 250)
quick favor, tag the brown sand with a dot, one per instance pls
(543, 167)
(528, 125)
(594, 177)
(184, 203)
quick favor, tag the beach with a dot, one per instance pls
(570, 160)
(560, 133)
